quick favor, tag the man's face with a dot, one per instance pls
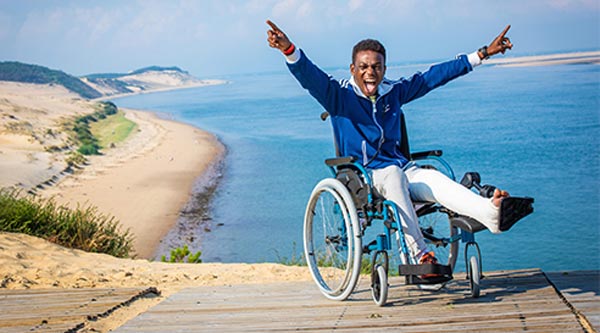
(368, 70)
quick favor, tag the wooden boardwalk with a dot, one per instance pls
(581, 291)
(61, 310)
(512, 301)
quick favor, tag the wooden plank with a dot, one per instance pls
(581, 289)
(511, 301)
(60, 310)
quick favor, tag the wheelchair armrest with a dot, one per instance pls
(337, 161)
(424, 154)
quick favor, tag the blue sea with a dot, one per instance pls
(533, 131)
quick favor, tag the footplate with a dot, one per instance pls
(413, 273)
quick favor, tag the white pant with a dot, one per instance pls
(400, 186)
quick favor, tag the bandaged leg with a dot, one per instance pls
(432, 185)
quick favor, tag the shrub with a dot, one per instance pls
(178, 255)
(82, 228)
(108, 108)
(89, 149)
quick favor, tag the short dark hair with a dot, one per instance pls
(368, 45)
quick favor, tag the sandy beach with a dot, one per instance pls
(145, 181)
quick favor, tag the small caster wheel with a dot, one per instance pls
(474, 275)
(379, 285)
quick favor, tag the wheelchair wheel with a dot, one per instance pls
(379, 285)
(474, 276)
(332, 243)
(439, 235)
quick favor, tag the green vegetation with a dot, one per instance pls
(19, 72)
(179, 254)
(81, 131)
(112, 130)
(157, 69)
(82, 228)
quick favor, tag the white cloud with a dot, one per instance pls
(354, 5)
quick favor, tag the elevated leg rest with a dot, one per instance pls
(512, 209)
(467, 224)
(413, 273)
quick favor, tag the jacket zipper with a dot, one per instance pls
(381, 140)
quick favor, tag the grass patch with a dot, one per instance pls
(80, 132)
(112, 129)
(82, 228)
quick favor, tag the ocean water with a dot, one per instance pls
(533, 131)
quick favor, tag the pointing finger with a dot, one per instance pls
(505, 31)
(273, 26)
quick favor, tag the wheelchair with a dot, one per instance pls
(342, 211)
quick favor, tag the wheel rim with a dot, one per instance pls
(330, 243)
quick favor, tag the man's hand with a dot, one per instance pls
(276, 38)
(500, 43)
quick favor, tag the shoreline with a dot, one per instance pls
(195, 207)
(147, 181)
(194, 219)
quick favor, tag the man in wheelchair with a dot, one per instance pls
(366, 116)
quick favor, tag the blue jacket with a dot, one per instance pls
(363, 129)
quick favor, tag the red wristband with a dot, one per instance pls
(289, 50)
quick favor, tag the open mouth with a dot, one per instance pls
(370, 86)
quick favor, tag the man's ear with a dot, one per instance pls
(352, 69)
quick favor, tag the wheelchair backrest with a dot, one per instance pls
(404, 146)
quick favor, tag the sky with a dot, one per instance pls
(219, 38)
